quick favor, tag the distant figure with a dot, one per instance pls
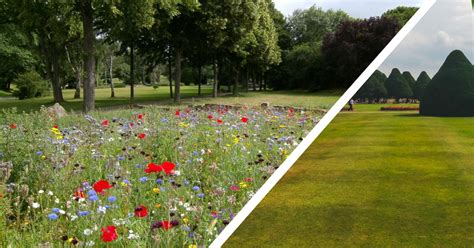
(351, 105)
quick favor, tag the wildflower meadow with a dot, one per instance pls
(137, 178)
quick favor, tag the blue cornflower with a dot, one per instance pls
(143, 179)
(112, 198)
(56, 210)
(126, 181)
(53, 216)
(91, 192)
(200, 195)
(195, 153)
(159, 181)
(83, 213)
(121, 158)
(93, 198)
(186, 182)
(196, 188)
(39, 153)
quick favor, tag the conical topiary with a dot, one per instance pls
(373, 89)
(397, 86)
(451, 91)
(420, 85)
(380, 76)
(410, 80)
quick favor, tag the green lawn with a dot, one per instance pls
(373, 179)
(148, 95)
(4, 94)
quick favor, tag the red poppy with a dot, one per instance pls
(109, 233)
(56, 126)
(219, 121)
(141, 211)
(101, 185)
(105, 123)
(131, 124)
(166, 225)
(177, 113)
(153, 168)
(140, 116)
(79, 194)
(141, 136)
(209, 117)
(234, 188)
(248, 179)
(168, 167)
(188, 111)
(244, 119)
(13, 126)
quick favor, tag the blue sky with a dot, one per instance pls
(447, 26)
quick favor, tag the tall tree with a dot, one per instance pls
(402, 14)
(354, 45)
(52, 24)
(124, 21)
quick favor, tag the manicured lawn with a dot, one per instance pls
(142, 95)
(4, 94)
(148, 95)
(374, 179)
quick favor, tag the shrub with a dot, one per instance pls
(410, 80)
(420, 85)
(451, 92)
(373, 88)
(31, 84)
(397, 86)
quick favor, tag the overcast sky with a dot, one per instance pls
(355, 8)
(447, 26)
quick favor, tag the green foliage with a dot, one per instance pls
(420, 85)
(374, 88)
(15, 55)
(410, 80)
(451, 91)
(30, 85)
(353, 46)
(402, 14)
(313, 24)
(380, 76)
(397, 86)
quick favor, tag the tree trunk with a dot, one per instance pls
(254, 81)
(247, 76)
(177, 81)
(111, 77)
(132, 73)
(216, 83)
(77, 93)
(89, 55)
(170, 75)
(264, 81)
(199, 79)
(56, 78)
(236, 81)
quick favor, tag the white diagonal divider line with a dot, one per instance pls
(301, 148)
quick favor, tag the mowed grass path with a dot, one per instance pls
(373, 180)
(189, 94)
